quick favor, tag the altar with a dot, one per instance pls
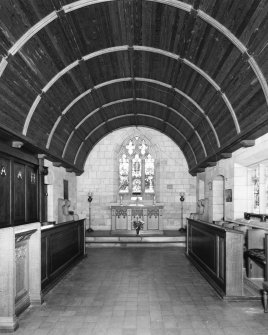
(124, 215)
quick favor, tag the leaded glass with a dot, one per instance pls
(123, 174)
(130, 147)
(136, 167)
(143, 147)
(149, 174)
(136, 185)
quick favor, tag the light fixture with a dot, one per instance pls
(90, 196)
(182, 196)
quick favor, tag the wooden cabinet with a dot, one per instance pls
(61, 246)
(218, 253)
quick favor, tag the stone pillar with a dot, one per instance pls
(262, 189)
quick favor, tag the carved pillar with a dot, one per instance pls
(20, 276)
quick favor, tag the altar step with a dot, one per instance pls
(104, 239)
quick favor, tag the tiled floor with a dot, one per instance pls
(139, 291)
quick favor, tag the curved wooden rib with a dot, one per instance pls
(127, 100)
(124, 80)
(173, 3)
(130, 115)
(124, 48)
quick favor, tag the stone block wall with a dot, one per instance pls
(237, 175)
(101, 177)
(54, 182)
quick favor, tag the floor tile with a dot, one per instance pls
(139, 291)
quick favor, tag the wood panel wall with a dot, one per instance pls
(19, 191)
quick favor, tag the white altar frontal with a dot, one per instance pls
(123, 217)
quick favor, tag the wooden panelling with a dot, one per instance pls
(5, 191)
(19, 193)
(204, 245)
(19, 190)
(218, 254)
(61, 246)
(31, 194)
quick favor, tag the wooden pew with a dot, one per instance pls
(257, 259)
(255, 253)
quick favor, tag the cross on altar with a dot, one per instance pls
(130, 147)
(143, 147)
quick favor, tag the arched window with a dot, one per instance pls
(136, 168)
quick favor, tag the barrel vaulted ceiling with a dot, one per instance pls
(73, 71)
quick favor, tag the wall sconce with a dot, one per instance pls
(182, 196)
(90, 196)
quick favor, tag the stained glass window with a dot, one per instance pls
(136, 167)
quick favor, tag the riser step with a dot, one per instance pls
(139, 239)
(136, 245)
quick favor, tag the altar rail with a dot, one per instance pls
(218, 253)
(61, 246)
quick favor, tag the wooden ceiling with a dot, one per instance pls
(73, 71)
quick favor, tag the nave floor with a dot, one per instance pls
(139, 291)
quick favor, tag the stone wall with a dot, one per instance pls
(236, 173)
(101, 178)
(54, 181)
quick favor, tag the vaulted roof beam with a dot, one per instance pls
(128, 79)
(174, 3)
(128, 115)
(138, 48)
